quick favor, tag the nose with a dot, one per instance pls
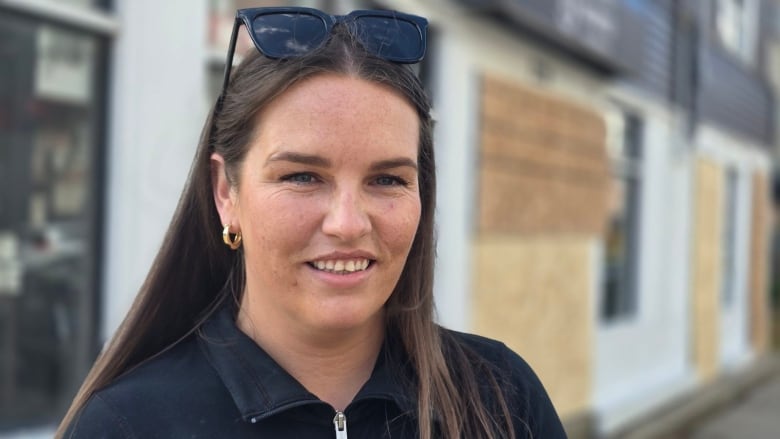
(347, 217)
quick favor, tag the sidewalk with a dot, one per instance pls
(756, 416)
(744, 405)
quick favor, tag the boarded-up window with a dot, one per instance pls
(544, 167)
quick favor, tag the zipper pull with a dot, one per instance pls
(340, 422)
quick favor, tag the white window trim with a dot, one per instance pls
(742, 21)
(89, 20)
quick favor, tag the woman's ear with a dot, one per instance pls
(224, 195)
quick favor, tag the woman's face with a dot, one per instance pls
(327, 202)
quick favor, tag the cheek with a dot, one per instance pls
(400, 221)
(278, 226)
(277, 212)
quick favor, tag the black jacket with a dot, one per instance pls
(220, 384)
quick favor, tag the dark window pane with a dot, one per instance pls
(48, 229)
(728, 283)
(621, 240)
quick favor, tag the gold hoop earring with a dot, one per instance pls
(234, 243)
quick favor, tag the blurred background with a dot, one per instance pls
(607, 190)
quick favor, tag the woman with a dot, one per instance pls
(292, 296)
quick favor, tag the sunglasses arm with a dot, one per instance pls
(231, 51)
(226, 79)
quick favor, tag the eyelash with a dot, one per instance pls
(311, 178)
(396, 181)
(294, 178)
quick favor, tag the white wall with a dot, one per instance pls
(157, 108)
(456, 173)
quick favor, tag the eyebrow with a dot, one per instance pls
(393, 163)
(305, 159)
(322, 162)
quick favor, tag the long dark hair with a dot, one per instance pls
(193, 265)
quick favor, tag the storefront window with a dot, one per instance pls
(50, 126)
(620, 298)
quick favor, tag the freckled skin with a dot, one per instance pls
(344, 206)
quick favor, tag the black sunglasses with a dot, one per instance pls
(287, 32)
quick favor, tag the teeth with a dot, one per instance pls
(342, 266)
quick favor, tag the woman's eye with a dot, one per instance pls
(299, 178)
(389, 180)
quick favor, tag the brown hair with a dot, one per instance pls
(193, 265)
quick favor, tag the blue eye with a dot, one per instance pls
(299, 178)
(389, 180)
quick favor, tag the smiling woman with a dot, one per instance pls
(316, 319)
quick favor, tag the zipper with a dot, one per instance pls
(340, 422)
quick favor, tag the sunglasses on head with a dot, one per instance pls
(287, 32)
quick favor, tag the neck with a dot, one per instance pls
(332, 364)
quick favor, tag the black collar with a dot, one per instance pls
(261, 388)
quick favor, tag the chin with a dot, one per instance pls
(342, 319)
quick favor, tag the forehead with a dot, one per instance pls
(327, 90)
(342, 113)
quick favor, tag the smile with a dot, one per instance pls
(341, 266)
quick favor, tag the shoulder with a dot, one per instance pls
(486, 347)
(495, 354)
(172, 377)
(98, 419)
(531, 407)
(163, 391)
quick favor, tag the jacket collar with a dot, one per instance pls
(261, 388)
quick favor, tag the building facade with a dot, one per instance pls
(618, 174)
(604, 184)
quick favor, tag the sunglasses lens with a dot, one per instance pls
(391, 38)
(289, 34)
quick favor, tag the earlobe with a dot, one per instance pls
(222, 190)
